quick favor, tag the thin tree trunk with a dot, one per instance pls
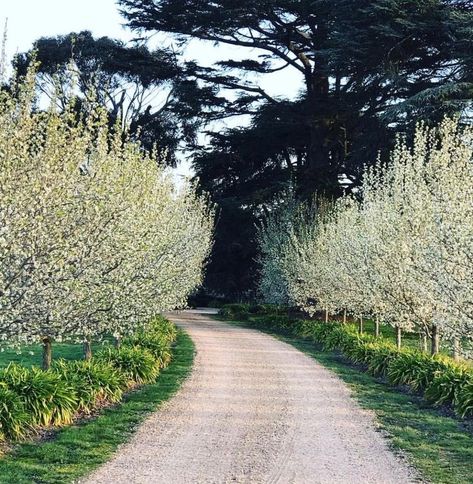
(118, 342)
(47, 353)
(456, 348)
(360, 325)
(326, 315)
(423, 342)
(344, 316)
(435, 340)
(398, 337)
(87, 350)
(376, 327)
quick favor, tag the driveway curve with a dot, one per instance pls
(255, 410)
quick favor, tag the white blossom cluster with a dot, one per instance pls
(94, 237)
(400, 251)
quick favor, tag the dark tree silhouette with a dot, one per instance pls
(370, 68)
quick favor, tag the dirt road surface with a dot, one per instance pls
(255, 410)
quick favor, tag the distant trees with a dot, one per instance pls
(147, 91)
(94, 238)
(399, 252)
(368, 69)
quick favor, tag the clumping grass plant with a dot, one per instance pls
(48, 399)
(95, 382)
(138, 364)
(14, 419)
(32, 399)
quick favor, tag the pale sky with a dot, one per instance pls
(30, 19)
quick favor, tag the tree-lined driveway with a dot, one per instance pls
(255, 410)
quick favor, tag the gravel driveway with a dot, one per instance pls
(254, 410)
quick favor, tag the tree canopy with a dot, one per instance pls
(148, 91)
(369, 69)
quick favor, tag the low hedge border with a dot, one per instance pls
(440, 379)
(32, 400)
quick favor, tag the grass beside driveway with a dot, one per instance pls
(76, 451)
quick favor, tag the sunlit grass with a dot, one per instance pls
(75, 451)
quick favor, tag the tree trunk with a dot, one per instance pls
(376, 327)
(423, 342)
(319, 173)
(360, 325)
(47, 353)
(118, 342)
(326, 315)
(398, 337)
(87, 350)
(435, 340)
(344, 316)
(456, 349)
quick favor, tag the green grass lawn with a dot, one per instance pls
(32, 355)
(75, 451)
(409, 340)
(440, 446)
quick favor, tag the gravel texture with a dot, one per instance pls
(255, 410)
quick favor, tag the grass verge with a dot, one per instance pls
(32, 355)
(75, 451)
(439, 446)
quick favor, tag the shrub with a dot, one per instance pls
(156, 344)
(160, 326)
(46, 397)
(256, 309)
(447, 383)
(464, 399)
(380, 356)
(414, 369)
(236, 311)
(137, 364)
(157, 339)
(14, 421)
(242, 312)
(276, 322)
(303, 328)
(262, 309)
(94, 381)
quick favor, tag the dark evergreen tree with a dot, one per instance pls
(370, 68)
(148, 90)
(366, 64)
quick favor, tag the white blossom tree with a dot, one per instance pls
(403, 254)
(94, 238)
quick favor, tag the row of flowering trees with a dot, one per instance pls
(400, 250)
(94, 237)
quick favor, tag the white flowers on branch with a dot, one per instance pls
(401, 251)
(94, 237)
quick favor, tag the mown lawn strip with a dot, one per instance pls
(75, 451)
